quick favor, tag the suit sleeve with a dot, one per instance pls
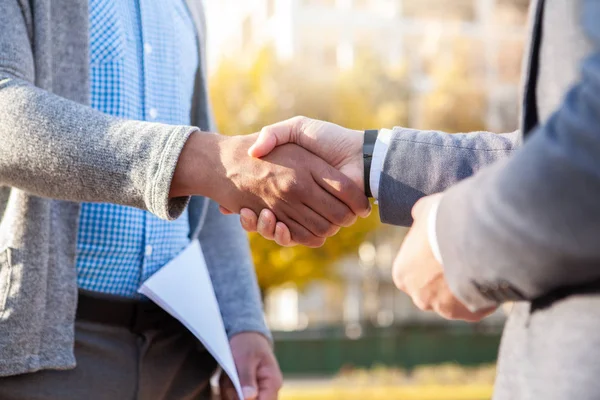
(419, 163)
(532, 222)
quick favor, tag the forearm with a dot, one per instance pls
(56, 148)
(227, 252)
(419, 163)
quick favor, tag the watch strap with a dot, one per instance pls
(370, 138)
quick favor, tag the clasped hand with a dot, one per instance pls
(337, 147)
(311, 197)
(415, 271)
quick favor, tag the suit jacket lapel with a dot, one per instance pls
(530, 119)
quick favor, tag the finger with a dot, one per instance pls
(421, 304)
(270, 380)
(330, 207)
(312, 221)
(226, 388)
(266, 224)
(272, 136)
(247, 374)
(418, 208)
(224, 210)
(269, 388)
(342, 187)
(250, 393)
(268, 394)
(423, 204)
(249, 220)
(301, 235)
(283, 237)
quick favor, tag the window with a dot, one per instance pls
(270, 8)
(330, 56)
(462, 10)
(320, 3)
(246, 33)
(345, 56)
(511, 12)
(361, 4)
(510, 56)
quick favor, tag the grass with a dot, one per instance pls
(427, 382)
(462, 392)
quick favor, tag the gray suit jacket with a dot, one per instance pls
(55, 152)
(526, 228)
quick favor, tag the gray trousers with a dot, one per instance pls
(116, 364)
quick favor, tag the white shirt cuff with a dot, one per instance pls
(431, 231)
(379, 152)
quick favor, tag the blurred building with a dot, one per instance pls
(328, 35)
(364, 294)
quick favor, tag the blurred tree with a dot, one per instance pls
(458, 102)
(246, 98)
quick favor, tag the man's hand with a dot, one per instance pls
(256, 366)
(311, 197)
(417, 273)
(338, 146)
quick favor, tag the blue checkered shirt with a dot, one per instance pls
(143, 61)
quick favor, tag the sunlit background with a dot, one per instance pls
(342, 330)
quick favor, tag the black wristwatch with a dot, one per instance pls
(368, 149)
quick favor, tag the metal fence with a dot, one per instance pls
(327, 350)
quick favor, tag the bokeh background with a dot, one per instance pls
(342, 330)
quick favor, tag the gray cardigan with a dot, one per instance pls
(56, 152)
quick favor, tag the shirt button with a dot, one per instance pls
(148, 48)
(153, 113)
(148, 251)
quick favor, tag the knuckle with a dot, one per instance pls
(346, 186)
(290, 188)
(398, 283)
(316, 242)
(398, 279)
(300, 236)
(266, 130)
(449, 310)
(341, 216)
(333, 230)
(324, 230)
(349, 218)
(443, 310)
(299, 120)
(421, 305)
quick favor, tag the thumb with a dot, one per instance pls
(247, 374)
(272, 136)
(422, 205)
(224, 211)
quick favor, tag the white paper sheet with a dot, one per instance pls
(183, 288)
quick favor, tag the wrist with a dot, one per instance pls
(198, 164)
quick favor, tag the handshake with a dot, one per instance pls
(296, 182)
